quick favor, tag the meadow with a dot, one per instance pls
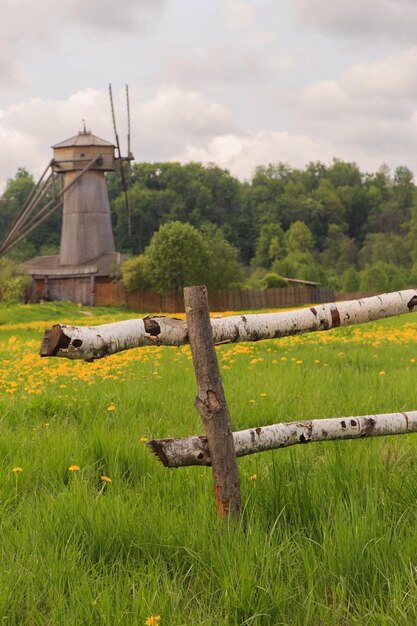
(95, 531)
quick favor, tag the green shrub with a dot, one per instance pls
(134, 273)
(273, 280)
(15, 289)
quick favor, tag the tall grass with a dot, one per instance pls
(327, 534)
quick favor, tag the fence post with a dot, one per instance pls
(211, 403)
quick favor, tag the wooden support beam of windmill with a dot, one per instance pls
(25, 226)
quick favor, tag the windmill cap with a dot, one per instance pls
(84, 138)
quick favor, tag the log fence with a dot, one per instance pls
(220, 446)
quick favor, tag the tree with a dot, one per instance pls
(224, 270)
(383, 277)
(350, 280)
(298, 264)
(269, 245)
(340, 251)
(299, 238)
(387, 247)
(176, 257)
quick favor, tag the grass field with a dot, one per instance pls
(328, 531)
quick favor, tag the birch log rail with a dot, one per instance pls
(95, 342)
(195, 451)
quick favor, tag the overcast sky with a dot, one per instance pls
(239, 83)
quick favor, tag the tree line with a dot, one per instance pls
(335, 224)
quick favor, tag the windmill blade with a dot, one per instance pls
(38, 191)
(119, 154)
(129, 168)
(44, 213)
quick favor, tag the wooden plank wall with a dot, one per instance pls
(111, 293)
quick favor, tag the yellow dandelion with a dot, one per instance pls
(299, 362)
(153, 620)
(106, 479)
(73, 468)
(283, 358)
(17, 470)
(144, 439)
(111, 407)
(412, 360)
(251, 401)
(253, 477)
(382, 373)
(263, 395)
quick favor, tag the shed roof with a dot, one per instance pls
(298, 281)
(84, 138)
(104, 265)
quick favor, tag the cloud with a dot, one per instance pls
(356, 19)
(220, 64)
(242, 153)
(368, 113)
(386, 88)
(174, 119)
(239, 13)
(169, 122)
(24, 26)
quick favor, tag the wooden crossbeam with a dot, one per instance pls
(195, 450)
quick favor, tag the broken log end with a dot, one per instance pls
(157, 447)
(53, 340)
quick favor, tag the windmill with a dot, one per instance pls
(87, 250)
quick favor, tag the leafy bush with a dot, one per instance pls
(134, 273)
(15, 289)
(14, 282)
(273, 280)
(383, 277)
(176, 257)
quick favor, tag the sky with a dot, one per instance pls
(238, 83)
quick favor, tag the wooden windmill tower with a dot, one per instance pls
(87, 257)
(86, 228)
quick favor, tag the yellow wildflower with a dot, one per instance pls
(17, 470)
(153, 620)
(382, 373)
(106, 479)
(111, 407)
(253, 477)
(144, 439)
(73, 468)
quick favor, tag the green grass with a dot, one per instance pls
(327, 533)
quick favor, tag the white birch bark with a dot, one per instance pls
(88, 343)
(194, 450)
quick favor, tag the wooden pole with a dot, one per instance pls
(211, 403)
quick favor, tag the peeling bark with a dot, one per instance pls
(195, 451)
(211, 403)
(89, 343)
